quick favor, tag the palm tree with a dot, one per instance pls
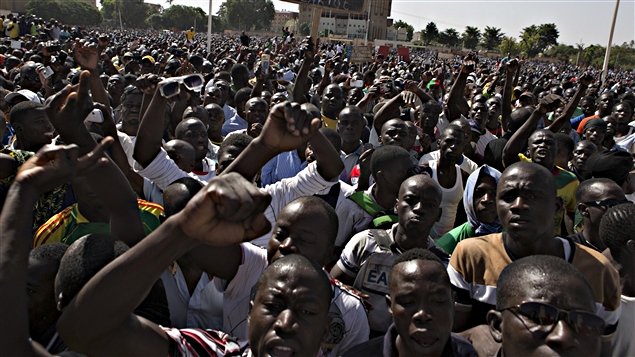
(471, 37)
(492, 37)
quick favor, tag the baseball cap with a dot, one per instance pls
(475, 126)
(24, 93)
(149, 58)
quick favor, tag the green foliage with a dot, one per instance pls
(75, 12)
(471, 37)
(133, 12)
(183, 17)
(536, 39)
(509, 46)
(562, 52)
(622, 56)
(304, 29)
(431, 33)
(449, 37)
(492, 37)
(247, 14)
(410, 30)
(325, 33)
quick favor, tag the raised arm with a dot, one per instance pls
(287, 127)
(98, 322)
(516, 143)
(507, 94)
(148, 143)
(326, 78)
(456, 93)
(390, 108)
(327, 159)
(567, 113)
(50, 167)
(87, 55)
(300, 89)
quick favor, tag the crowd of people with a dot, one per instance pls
(267, 197)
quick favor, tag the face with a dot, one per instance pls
(40, 288)
(29, 79)
(350, 126)
(417, 207)
(610, 126)
(525, 208)
(588, 108)
(451, 144)
(289, 315)
(214, 95)
(594, 135)
(354, 96)
(131, 109)
(581, 154)
(226, 157)
(195, 133)
(479, 112)
(563, 340)
(622, 114)
(256, 111)
(484, 199)
(429, 115)
(395, 133)
(35, 128)
(493, 108)
(197, 112)
(182, 157)
(295, 233)
(224, 88)
(422, 306)
(599, 192)
(543, 148)
(216, 117)
(606, 103)
(332, 99)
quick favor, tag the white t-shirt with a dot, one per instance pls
(466, 165)
(349, 325)
(163, 171)
(623, 342)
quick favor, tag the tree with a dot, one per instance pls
(509, 46)
(248, 14)
(536, 39)
(67, 11)
(471, 37)
(431, 33)
(410, 30)
(183, 17)
(492, 37)
(133, 12)
(449, 37)
(304, 29)
(548, 36)
(561, 52)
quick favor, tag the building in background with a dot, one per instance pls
(284, 18)
(343, 24)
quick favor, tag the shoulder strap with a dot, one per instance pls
(366, 203)
(382, 238)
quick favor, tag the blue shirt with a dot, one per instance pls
(285, 165)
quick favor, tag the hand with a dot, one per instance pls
(46, 82)
(426, 77)
(70, 106)
(374, 92)
(148, 84)
(550, 103)
(287, 127)
(329, 66)
(104, 41)
(586, 79)
(411, 86)
(364, 162)
(425, 140)
(229, 210)
(86, 55)
(347, 84)
(469, 63)
(108, 126)
(482, 340)
(255, 129)
(259, 75)
(54, 165)
(512, 66)
(409, 99)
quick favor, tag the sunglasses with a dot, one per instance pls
(193, 82)
(544, 317)
(606, 204)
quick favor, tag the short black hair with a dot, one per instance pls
(518, 117)
(237, 140)
(312, 201)
(549, 182)
(179, 193)
(617, 227)
(553, 270)
(21, 110)
(333, 137)
(449, 128)
(564, 142)
(585, 186)
(415, 254)
(384, 157)
(239, 70)
(297, 261)
(128, 91)
(51, 252)
(242, 95)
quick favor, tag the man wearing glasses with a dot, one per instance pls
(595, 197)
(552, 314)
(526, 202)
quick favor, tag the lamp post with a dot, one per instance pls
(605, 68)
(209, 28)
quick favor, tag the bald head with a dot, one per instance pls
(422, 182)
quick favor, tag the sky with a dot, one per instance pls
(579, 21)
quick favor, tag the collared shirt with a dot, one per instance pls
(350, 160)
(284, 165)
(329, 123)
(233, 123)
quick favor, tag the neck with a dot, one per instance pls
(383, 198)
(329, 115)
(622, 130)
(26, 145)
(492, 123)
(94, 214)
(547, 244)
(429, 131)
(445, 164)
(198, 165)
(592, 234)
(415, 239)
(350, 147)
(130, 130)
(215, 136)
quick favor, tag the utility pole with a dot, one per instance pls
(209, 28)
(605, 68)
(119, 11)
(367, 24)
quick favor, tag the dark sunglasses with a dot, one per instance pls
(193, 82)
(546, 316)
(606, 204)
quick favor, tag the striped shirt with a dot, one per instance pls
(477, 262)
(69, 225)
(203, 343)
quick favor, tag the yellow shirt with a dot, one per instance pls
(189, 34)
(329, 123)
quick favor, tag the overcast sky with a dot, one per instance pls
(588, 21)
